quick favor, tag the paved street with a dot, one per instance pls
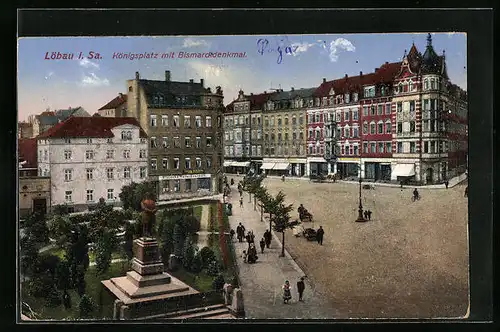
(409, 261)
(262, 281)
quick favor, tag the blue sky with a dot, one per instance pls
(92, 83)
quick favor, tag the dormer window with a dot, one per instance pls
(347, 99)
(410, 86)
(382, 90)
(355, 97)
(400, 87)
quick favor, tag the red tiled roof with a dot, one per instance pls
(98, 127)
(27, 151)
(116, 102)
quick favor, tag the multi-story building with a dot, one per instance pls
(243, 133)
(375, 119)
(34, 190)
(88, 158)
(425, 107)
(183, 121)
(48, 119)
(115, 108)
(24, 129)
(285, 131)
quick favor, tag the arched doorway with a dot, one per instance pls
(429, 174)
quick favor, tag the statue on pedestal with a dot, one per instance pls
(148, 217)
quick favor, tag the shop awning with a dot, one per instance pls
(267, 166)
(228, 163)
(404, 170)
(281, 166)
(241, 163)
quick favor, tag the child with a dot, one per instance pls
(244, 256)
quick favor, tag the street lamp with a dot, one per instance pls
(360, 207)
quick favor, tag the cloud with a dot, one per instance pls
(86, 63)
(92, 80)
(340, 44)
(301, 47)
(192, 42)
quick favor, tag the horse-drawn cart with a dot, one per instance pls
(310, 234)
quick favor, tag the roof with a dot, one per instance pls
(97, 127)
(115, 103)
(52, 118)
(171, 87)
(257, 101)
(27, 148)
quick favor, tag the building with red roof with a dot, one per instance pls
(88, 158)
(117, 107)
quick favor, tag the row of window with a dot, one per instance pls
(165, 142)
(270, 121)
(164, 121)
(90, 197)
(377, 128)
(176, 163)
(236, 120)
(110, 154)
(111, 173)
(238, 135)
(202, 184)
(232, 151)
(284, 151)
(280, 136)
(379, 109)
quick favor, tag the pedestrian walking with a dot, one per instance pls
(252, 237)
(240, 232)
(466, 193)
(446, 183)
(301, 287)
(319, 235)
(262, 245)
(365, 214)
(231, 232)
(241, 202)
(267, 238)
(287, 292)
(245, 256)
(369, 215)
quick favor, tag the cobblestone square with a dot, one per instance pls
(409, 261)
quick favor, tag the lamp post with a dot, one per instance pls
(360, 207)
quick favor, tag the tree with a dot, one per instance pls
(63, 275)
(179, 236)
(105, 246)
(261, 194)
(271, 205)
(53, 298)
(253, 186)
(128, 243)
(29, 256)
(60, 228)
(35, 226)
(218, 282)
(132, 195)
(79, 280)
(282, 219)
(86, 306)
(207, 255)
(197, 263)
(213, 268)
(188, 252)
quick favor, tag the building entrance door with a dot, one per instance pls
(40, 206)
(429, 173)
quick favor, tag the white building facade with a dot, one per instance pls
(84, 169)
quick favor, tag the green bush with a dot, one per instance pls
(188, 252)
(53, 298)
(86, 306)
(213, 268)
(196, 264)
(207, 255)
(218, 282)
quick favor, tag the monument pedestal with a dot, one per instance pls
(146, 283)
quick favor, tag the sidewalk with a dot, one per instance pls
(261, 282)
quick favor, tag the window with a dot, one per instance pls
(153, 142)
(301, 119)
(399, 106)
(153, 120)
(412, 106)
(286, 121)
(176, 163)
(209, 163)
(354, 97)
(372, 128)
(187, 163)
(68, 174)
(372, 109)
(187, 142)
(381, 147)
(294, 121)
(90, 195)
(388, 128)
(387, 108)
(311, 133)
(354, 115)
(67, 154)
(412, 147)
(355, 132)
(209, 141)
(426, 147)
(164, 120)
(433, 84)
(176, 121)
(177, 185)
(142, 153)
(433, 147)
(187, 185)
(412, 126)
(110, 173)
(177, 142)
(198, 163)
(373, 147)
(388, 147)
(365, 128)
(346, 116)
(279, 122)
(111, 194)
(400, 127)
(89, 140)
(365, 147)
(208, 122)
(346, 132)
(153, 164)
(400, 147)
(380, 109)
(110, 154)
(301, 136)
(338, 117)
(126, 154)
(68, 196)
(197, 121)
(90, 174)
(126, 172)
(365, 110)
(294, 136)
(198, 142)
(164, 163)
(356, 152)
(347, 148)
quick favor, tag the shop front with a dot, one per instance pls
(275, 167)
(236, 167)
(317, 166)
(403, 172)
(347, 167)
(297, 167)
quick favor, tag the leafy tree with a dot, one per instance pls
(105, 246)
(261, 194)
(60, 228)
(188, 252)
(282, 218)
(79, 280)
(48, 263)
(207, 255)
(218, 282)
(29, 256)
(128, 241)
(63, 275)
(66, 300)
(179, 236)
(35, 226)
(60, 210)
(197, 263)
(53, 298)
(40, 285)
(132, 195)
(213, 268)
(86, 306)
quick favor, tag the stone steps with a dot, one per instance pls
(197, 313)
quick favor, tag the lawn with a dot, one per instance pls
(59, 252)
(201, 282)
(94, 290)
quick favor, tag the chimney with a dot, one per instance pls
(121, 95)
(137, 76)
(387, 62)
(251, 93)
(265, 92)
(360, 73)
(202, 82)
(345, 76)
(293, 89)
(324, 80)
(167, 75)
(191, 81)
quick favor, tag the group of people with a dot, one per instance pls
(287, 290)
(368, 214)
(250, 255)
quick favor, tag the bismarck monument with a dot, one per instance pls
(147, 290)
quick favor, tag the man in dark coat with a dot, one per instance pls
(262, 245)
(319, 235)
(300, 287)
(369, 214)
(446, 183)
(365, 214)
(466, 193)
(267, 238)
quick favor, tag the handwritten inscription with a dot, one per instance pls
(264, 47)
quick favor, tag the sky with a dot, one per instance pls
(305, 61)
